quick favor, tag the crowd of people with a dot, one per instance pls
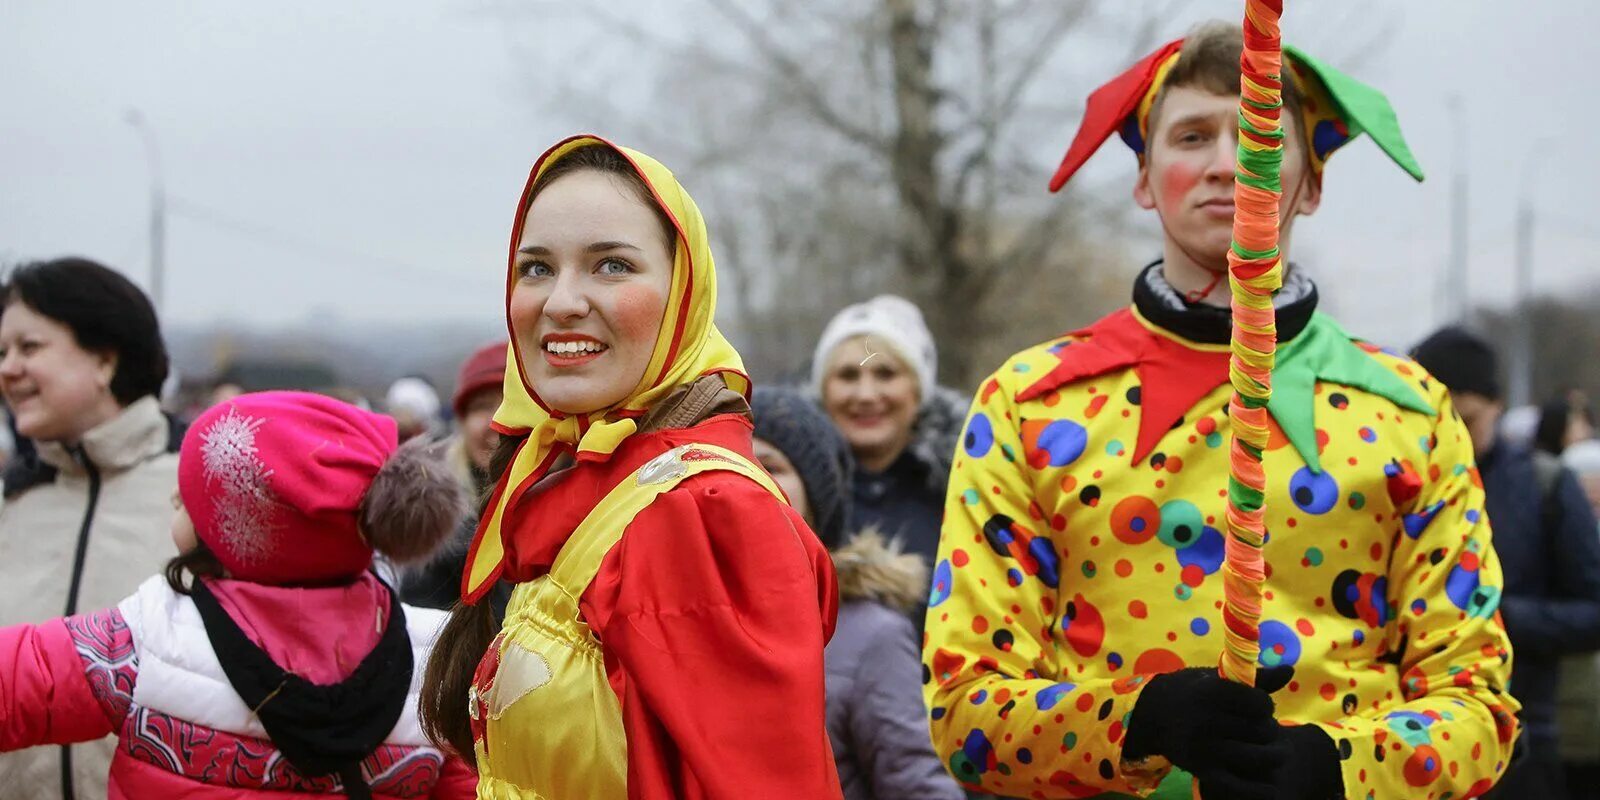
(611, 567)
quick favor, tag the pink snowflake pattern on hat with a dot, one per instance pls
(245, 506)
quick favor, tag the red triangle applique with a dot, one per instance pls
(1172, 377)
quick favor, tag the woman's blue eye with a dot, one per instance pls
(614, 266)
(535, 269)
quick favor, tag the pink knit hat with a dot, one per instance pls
(281, 486)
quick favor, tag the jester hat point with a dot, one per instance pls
(1335, 108)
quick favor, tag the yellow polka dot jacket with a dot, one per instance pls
(1082, 543)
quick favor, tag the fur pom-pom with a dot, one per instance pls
(414, 503)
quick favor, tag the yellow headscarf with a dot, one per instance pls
(687, 347)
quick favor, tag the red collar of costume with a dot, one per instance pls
(1173, 373)
(538, 522)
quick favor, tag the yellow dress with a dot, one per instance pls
(548, 725)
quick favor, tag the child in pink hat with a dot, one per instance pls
(269, 660)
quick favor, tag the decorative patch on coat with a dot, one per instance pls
(663, 468)
(671, 465)
(521, 671)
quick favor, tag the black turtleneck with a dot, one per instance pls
(1158, 302)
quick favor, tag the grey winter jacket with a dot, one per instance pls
(876, 717)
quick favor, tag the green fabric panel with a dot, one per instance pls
(1325, 352)
(1178, 785)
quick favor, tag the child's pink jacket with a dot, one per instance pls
(145, 671)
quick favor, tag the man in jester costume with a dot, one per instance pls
(1075, 626)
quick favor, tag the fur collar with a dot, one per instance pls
(872, 568)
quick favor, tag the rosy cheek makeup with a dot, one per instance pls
(1177, 180)
(637, 314)
(524, 313)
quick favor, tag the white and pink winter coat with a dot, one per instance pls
(146, 672)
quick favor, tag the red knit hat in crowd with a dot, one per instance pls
(297, 488)
(484, 369)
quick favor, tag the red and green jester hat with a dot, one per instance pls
(1081, 546)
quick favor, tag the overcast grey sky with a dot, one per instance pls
(362, 157)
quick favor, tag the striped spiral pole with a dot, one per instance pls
(1255, 272)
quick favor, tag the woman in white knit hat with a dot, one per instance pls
(874, 370)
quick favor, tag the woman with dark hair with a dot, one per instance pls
(877, 720)
(665, 635)
(85, 517)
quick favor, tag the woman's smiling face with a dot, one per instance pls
(873, 402)
(593, 274)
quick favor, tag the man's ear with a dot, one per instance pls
(1142, 194)
(1310, 194)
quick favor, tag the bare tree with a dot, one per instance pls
(932, 114)
(843, 148)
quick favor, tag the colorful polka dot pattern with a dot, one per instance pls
(1067, 576)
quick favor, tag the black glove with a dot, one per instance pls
(1310, 772)
(1225, 735)
(1213, 728)
(1313, 771)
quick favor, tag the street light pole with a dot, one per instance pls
(1522, 325)
(1523, 351)
(158, 208)
(1459, 291)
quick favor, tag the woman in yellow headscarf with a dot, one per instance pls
(664, 635)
